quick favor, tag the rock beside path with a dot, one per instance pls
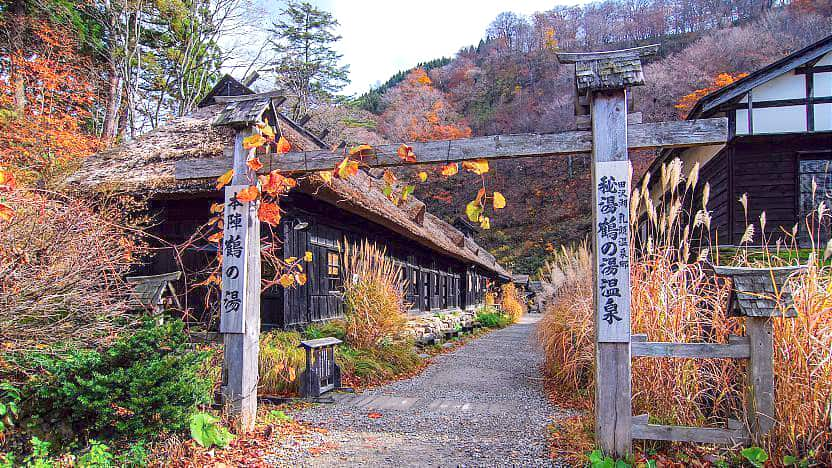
(480, 405)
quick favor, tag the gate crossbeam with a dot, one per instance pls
(686, 133)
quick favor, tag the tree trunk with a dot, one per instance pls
(111, 115)
(19, 95)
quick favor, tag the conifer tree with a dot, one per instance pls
(306, 65)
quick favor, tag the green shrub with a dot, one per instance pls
(334, 328)
(147, 382)
(490, 318)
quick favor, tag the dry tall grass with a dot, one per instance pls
(513, 305)
(374, 307)
(675, 299)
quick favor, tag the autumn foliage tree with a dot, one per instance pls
(689, 100)
(417, 111)
(45, 99)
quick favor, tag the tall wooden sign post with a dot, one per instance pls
(602, 78)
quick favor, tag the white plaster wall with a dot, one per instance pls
(822, 84)
(826, 60)
(823, 117)
(742, 121)
(779, 119)
(787, 86)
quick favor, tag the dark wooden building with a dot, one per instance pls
(444, 267)
(780, 125)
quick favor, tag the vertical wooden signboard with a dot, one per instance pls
(611, 245)
(241, 325)
(234, 272)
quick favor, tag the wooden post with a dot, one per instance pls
(760, 376)
(611, 242)
(240, 303)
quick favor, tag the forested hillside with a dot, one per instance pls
(511, 82)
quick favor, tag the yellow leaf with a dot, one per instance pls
(450, 169)
(499, 201)
(423, 176)
(485, 222)
(286, 280)
(253, 141)
(307, 256)
(474, 211)
(266, 130)
(300, 278)
(359, 149)
(224, 179)
(217, 208)
(291, 260)
(283, 146)
(479, 166)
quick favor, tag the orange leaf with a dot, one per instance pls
(7, 182)
(479, 166)
(6, 212)
(499, 201)
(450, 169)
(283, 146)
(374, 415)
(347, 168)
(254, 164)
(248, 194)
(215, 237)
(275, 183)
(389, 177)
(360, 149)
(286, 280)
(406, 153)
(217, 208)
(480, 195)
(253, 141)
(423, 176)
(269, 213)
(224, 179)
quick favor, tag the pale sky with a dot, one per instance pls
(382, 37)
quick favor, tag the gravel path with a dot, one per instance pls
(481, 405)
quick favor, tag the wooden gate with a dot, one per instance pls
(602, 79)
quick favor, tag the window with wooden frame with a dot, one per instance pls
(333, 270)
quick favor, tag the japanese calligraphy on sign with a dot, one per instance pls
(611, 192)
(235, 238)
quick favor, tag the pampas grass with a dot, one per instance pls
(676, 299)
(374, 307)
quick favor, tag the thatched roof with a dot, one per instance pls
(146, 165)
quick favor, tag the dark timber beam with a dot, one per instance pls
(687, 133)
